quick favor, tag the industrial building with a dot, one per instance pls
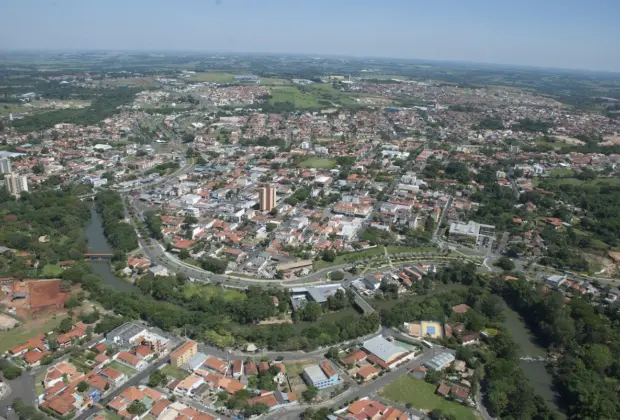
(321, 376)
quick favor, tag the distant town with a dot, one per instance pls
(369, 242)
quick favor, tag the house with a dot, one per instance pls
(367, 373)
(556, 280)
(251, 369)
(130, 360)
(60, 372)
(217, 365)
(188, 385)
(322, 375)
(443, 389)
(33, 358)
(183, 353)
(237, 369)
(470, 338)
(113, 375)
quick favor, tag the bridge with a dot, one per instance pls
(535, 359)
(361, 303)
(97, 256)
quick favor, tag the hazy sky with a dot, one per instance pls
(581, 34)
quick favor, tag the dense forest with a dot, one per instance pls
(215, 320)
(48, 224)
(119, 233)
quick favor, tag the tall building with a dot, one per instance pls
(5, 166)
(267, 198)
(16, 183)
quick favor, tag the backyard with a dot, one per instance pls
(421, 395)
(174, 372)
(122, 368)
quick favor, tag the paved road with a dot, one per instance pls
(141, 376)
(367, 390)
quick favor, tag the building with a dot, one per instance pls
(322, 375)
(16, 183)
(385, 350)
(267, 198)
(471, 232)
(440, 361)
(184, 353)
(5, 166)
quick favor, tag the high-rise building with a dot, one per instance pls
(5, 166)
(267, 198)
(16, 183)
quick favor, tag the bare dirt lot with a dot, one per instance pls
(7, 322)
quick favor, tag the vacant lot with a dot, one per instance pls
(422, 396)
(226, 77)
(174, 372)
(52, 270)
(26, 331)
(319, 163)
(122, 368)
(207, 291)
(351, 257)
(293, 95)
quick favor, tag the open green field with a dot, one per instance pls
(22, 334)
(421, 395)
(174, 372)
(326, 92)
(207, 291)
(319, 163)
(389, 304)
(560, 173)
(52, 270)
(122, 368)
(384, 77)
(351, 257)
(292, 94)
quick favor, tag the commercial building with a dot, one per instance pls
(16, 183)
(385, 350)
(322, 375)
(471, 232)
(267, 198)
(5, 166)
(184, 353)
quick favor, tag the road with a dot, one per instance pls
(370, 390)
(135, 380)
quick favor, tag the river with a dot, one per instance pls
(536, 372)
(97, 243)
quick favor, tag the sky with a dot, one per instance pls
(579, 34)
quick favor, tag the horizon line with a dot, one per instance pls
(313, 55)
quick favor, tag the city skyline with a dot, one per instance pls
(553, 34)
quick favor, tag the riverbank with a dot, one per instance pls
(536, 371)
(97, 243)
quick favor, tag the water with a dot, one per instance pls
(536, 372)
(97, 243)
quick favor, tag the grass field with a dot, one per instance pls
(207, 291)
(174, 372)
(319, 163)
(422, 396)
(293, 95)
(326, 91)
(575, 181)
(52, 270)
(38, 383)
(23, 333)
(560, 173)
(122, 368)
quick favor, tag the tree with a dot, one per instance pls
(157, 378)
(598, 357)
(82, 386)
(505, 264)
(311, 312)
(329, 256)
(333, 353)
(65, 325)
(38, 169)
(137, 407)
(310, 393)
(184, 254)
